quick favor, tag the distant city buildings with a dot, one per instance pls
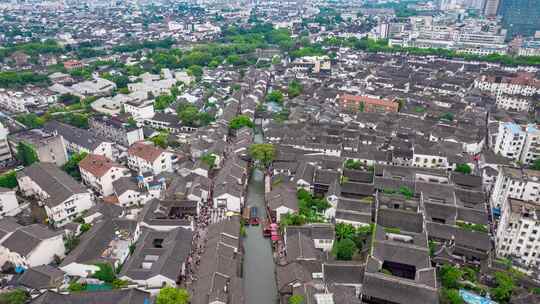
(491, 7)
(520, 17)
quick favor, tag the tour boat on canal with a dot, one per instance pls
(254, 217)
(267, 230)
(245, 214)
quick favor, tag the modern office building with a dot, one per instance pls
(490, 8)
(520, 17)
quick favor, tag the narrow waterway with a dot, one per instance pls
(259, 267)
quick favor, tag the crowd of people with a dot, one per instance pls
(207, 216)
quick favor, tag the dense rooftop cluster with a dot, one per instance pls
(237, 152)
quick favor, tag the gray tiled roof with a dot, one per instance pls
(124, 184)
(95, 241)
(25, 239)
(343, 273)
(124, 296)
(173, 252)
(81, 137)
(41, 277)
(57, 183)
(8, 225)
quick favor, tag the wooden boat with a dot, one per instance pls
(254, 216)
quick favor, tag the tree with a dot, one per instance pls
(195, 71)
(163, 101)
(72, 165)
(189, 115)
(161, 140)
(75, 287)
(292, 220)
(8, 180)
(85, 227)
(31, 120)
(275, 96)
(70, 242)
(463, 168)
(132, 122)
(447, 116)
(264, 154)
(17, 296)
(105, 272)
(536, 165)
(505, 286)
(26, 154)
(451, 296)
(450, 276)
(406, 191)
(209, 159)
(117, 283)
(68, 99)
(345, 249)
(171, 295)
(241, 121)
(353, 164)
(296, 299)
(294, 89)
(76, 119)
(12, 79)
(344, 231)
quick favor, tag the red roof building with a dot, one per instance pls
(367, 104)
(72, 64)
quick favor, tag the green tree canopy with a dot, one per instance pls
(505, 286)
(161, 140)
(8, 180)
(30, 120)
(189, 115)
(295, 88)
(75, 287)
(406, 191)
(26, 154)
(296, 299)
(75, 119)
(209, 159)
(68, 98)
(463, 168)
(195, 71)
(71, 167)
(536, 165)
(163, 101)
(11, 79)
(447, 116)
(263, 154)
(105, 273)
(345, 249)
(451, 296)
(17, 296)
(171, 295)
(353, 164)
(344, 231)
(241, 121)
(275, 96)
(450, 276)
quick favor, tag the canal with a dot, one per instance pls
(259, 267)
